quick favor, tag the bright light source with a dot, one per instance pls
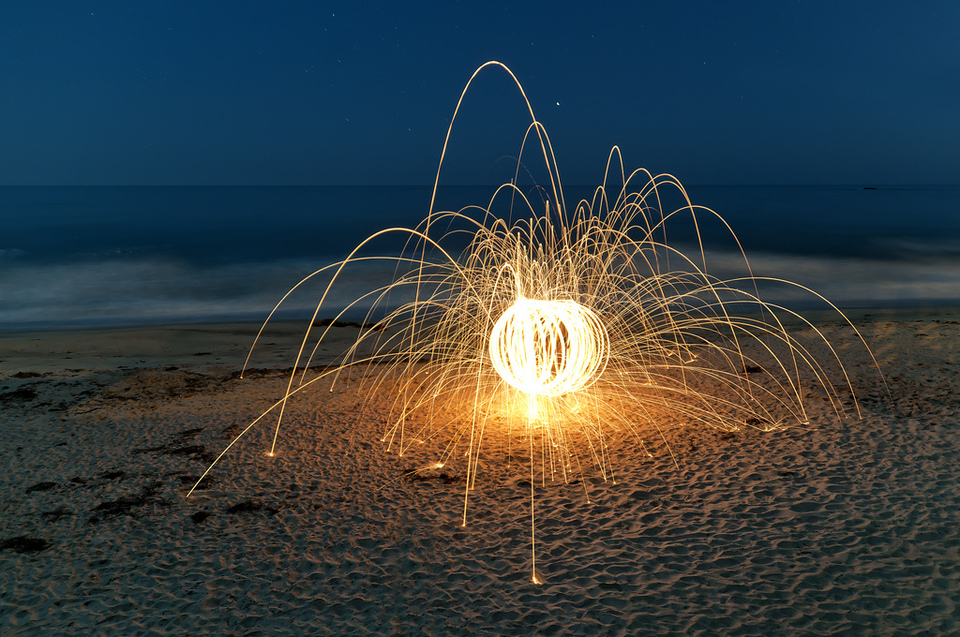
(548, 348)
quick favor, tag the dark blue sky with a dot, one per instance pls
(192, 92)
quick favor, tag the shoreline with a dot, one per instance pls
(191, 345)
(164, 341)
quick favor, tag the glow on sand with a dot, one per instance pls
(564, 331)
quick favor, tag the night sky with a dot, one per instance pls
(192, 92)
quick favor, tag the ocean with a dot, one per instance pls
(98, 256)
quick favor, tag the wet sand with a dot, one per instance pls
(844, 527)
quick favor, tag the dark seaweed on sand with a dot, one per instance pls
(19, 395)
(22, 544)
(249, 506)
(124, 506)
(41, 486)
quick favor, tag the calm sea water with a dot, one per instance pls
(79, 256)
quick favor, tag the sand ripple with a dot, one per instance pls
(845, 528)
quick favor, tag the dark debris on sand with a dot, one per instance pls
(26, 375)
(144, 384)
(192, 451)
(178, 447)
(249, 506)
(23, 394)
(442, 476)
(41, 486)
(50, 394)
(22, 544)
(124, 506)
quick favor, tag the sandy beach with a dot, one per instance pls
(843, 527)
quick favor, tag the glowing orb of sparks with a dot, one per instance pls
(549, 348)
